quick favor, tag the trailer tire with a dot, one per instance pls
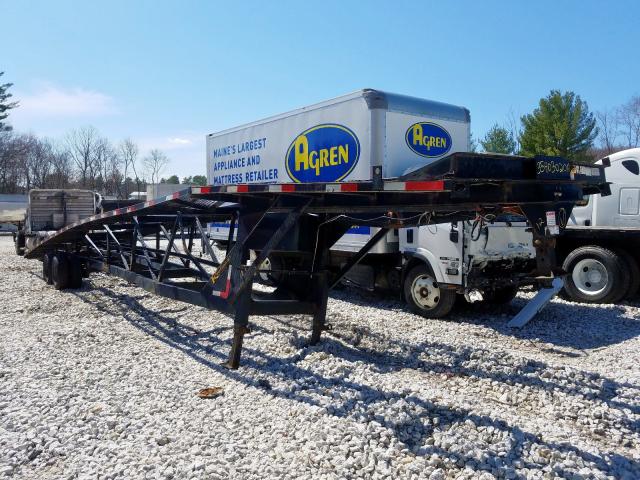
(595, 275)
(75, 272)
(46, 268)
(60, 271)
(20, 241)
(500, 296)
(633, 271)
(270, 271)
(424, 297)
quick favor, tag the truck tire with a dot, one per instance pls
(633, 271)
(595, 275)
(60, 271)
(500, 296)
(46, 268)
(424, 297)
(75, 272)
(20, 241)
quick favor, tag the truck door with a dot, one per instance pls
(622, 207)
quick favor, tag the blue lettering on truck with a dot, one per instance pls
(428, 139)
(324, 153)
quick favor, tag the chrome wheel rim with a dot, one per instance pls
(425, 292)
(266, 265)
(590, 276)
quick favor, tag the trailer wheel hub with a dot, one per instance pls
(425, 292)
(590, 276)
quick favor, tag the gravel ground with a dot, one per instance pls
(101, 383)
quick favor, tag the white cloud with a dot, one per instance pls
(51, 101)
(180, 141)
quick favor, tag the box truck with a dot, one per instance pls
(375, 135)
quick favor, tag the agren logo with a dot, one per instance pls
(324, 153)
(428, 139)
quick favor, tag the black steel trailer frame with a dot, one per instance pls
(139, 242)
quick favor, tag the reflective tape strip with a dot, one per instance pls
(282, 187)
(427, 186)
(341, 187)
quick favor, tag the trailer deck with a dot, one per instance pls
(140, 243)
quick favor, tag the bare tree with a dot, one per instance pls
(154, 164)
(39, 163)
(107, 176)
(128, 156)
(62, 169)
(514, 127)
(82, 144)
(629, 122)
(13, 152)
(608, 134)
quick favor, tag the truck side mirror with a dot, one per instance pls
(454, 236)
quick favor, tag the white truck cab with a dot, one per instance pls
(601, 244)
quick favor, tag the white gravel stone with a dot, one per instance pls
(101, 383)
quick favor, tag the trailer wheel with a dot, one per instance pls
(20, 241)
(60, 271)
(46, 268)
(500, 296)
(424, 296)
(75, 272)
(596, 275)
(632, 271)
(271, 269)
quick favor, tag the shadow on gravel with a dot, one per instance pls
(564, 324)
(412, 420)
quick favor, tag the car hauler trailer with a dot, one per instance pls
(600, 247)
(139, 243)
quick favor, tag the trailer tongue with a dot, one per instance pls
(139, 243)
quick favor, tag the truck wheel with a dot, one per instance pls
(424, 296)
(632, 270)
(46, 268)
(20, 240)
(596, 275)
(500, 296)
(60, 271)
(75, 272)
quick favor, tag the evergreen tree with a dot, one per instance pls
(199, 180)
(498, 140)
(561, 126)
(5, 105)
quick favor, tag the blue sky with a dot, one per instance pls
(166, 73)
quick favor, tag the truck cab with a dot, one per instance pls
(432, 265)
(622, 207)
(599, 248)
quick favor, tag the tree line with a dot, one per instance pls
(562, 125)
(82, 159)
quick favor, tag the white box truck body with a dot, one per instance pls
(339, 140)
